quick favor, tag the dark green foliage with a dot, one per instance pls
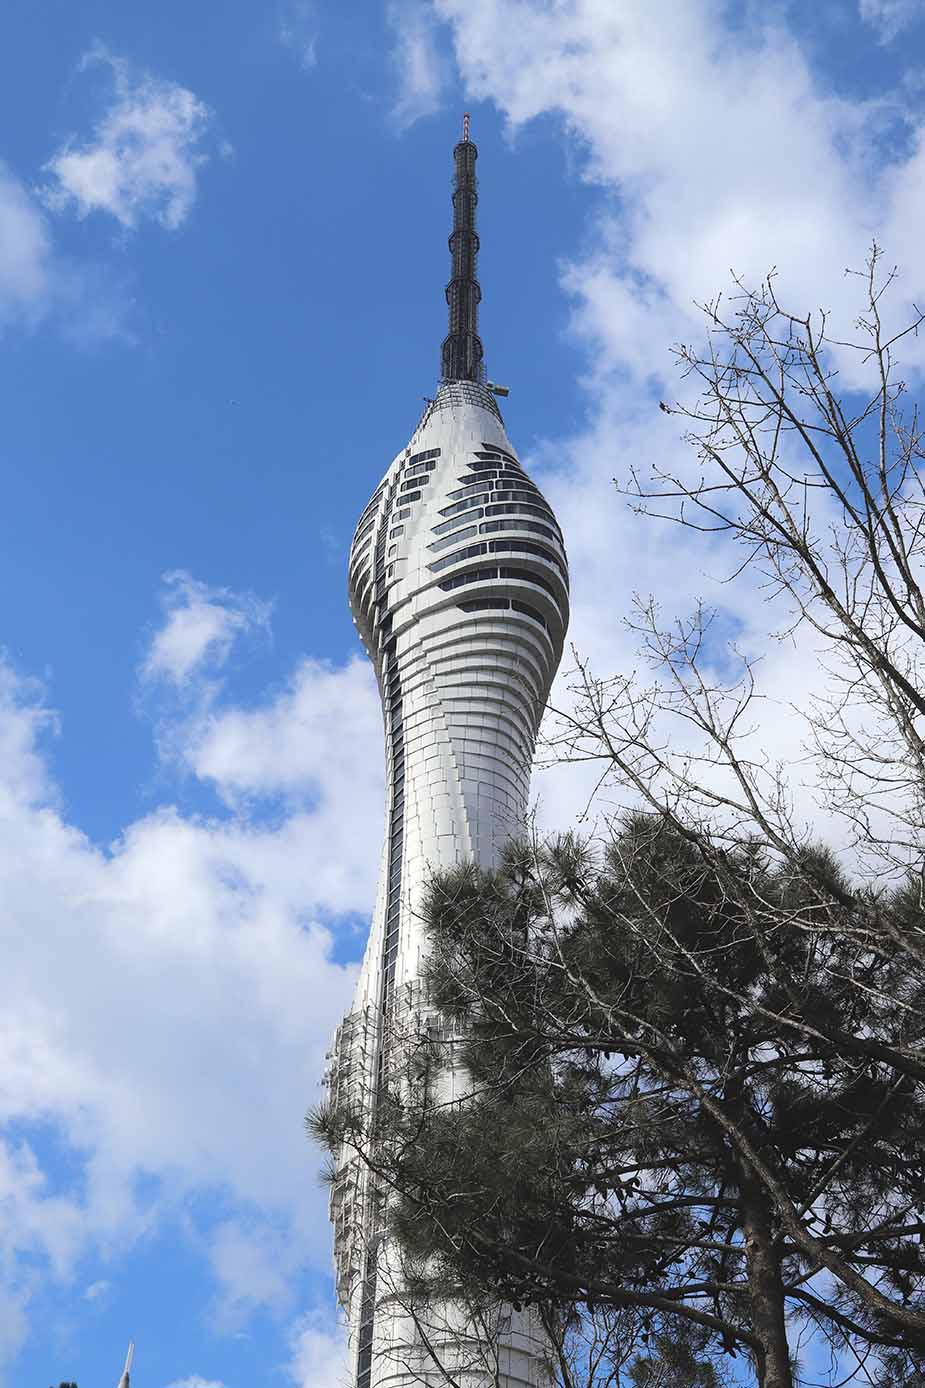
(697, 1096)
(674, 1361)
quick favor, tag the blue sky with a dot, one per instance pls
(222, 254)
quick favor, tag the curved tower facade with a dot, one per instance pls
(458, 585)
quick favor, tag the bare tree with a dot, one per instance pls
(822, 492)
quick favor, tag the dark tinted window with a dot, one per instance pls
(465, 515)
(526, 508)
(485, 604)
(524, 576)
(493, 448)
(533, 526)
(525, 547)
(481, 489)
(528, 611)
(454, 538)
(478, 576)
(469, 552)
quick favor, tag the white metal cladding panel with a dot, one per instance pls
(463, 693)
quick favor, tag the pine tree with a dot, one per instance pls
(682, 1106)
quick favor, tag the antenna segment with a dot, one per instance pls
(124, 1380)
(461, 358)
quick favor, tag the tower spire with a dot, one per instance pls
(461, 358)
(126, 1372)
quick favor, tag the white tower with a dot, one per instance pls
(459, 588)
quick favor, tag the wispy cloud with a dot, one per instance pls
(319, 1356)
(298, 31)
(201, 624)
(141, 160)
(196, 1381)
(254, 1264)
(87, 302)
(26, 256)
(98, 1293)
(421, 67)
(890, 17)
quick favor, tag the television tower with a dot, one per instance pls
(458, 585)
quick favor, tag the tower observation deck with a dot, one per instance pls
(458, 583)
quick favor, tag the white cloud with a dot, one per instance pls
(142, 158)
(38, 285)
(298, 31)
(202, 930)
(188, 938)
(202, 623)
(141, 161)
(98, 1293)
(14, 1322)
(316, 744)
(196, 1381)
(420, 66)
(39, 1229)
(24, 721)
(319, 1357)
(26, 267)
(254, 1262)
(288, 747)
(890, 17)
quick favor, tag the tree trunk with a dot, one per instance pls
(764, 1280)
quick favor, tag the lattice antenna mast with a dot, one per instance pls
(461, 359)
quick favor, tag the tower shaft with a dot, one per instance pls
(458, 583)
